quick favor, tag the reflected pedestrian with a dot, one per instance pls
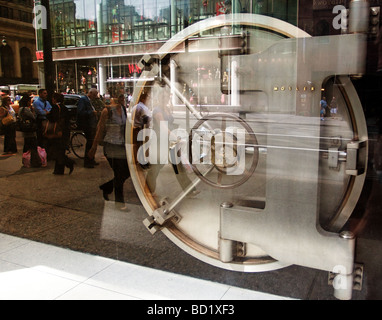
(41, 107)
(27, 115)
(333, 107)
(59, 115)
(323, 105)
(141, 118)
(9, 127)
(111, 129)
(3, 114)
(87, 121)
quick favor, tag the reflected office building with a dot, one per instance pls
(100, 42)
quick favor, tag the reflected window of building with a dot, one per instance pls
(58, 27)
(99, 22)
(7, 61)
(26, 64)
(87, 75)
(280, 9)
(66, 76)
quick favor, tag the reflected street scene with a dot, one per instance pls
(232, 141)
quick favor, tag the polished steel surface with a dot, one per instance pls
(294, 179)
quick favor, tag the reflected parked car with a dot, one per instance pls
(71, 101)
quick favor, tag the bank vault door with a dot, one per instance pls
(245, 173)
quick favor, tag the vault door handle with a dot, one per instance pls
(356, 158)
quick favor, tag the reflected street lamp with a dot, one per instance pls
(49, 71)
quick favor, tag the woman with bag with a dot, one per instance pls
(111, 129)
(9, 127)
(28, 127)
(3, 114)
(57, 142)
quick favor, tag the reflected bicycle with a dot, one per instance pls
(77, 141)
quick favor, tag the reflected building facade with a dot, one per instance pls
(292, 164)
(18, 44)
(100, 42)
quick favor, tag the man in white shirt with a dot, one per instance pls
(41, 107)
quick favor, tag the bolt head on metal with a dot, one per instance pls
(347, 235)
(226, 205)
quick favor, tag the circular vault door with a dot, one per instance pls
(235, 109)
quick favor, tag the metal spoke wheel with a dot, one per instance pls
(78, 144)
(227, 149)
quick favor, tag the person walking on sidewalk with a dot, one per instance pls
(41, 107)
(141, 119)
(87, 121)
(111, 129)
(10, 146)
(26, 114)
(60, 116)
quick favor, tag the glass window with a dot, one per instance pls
(114, 21)
(7, 61)
(80, 24)
(91, 22)
(99, 22)
(87, 75)
(126, 22)
(57, 23)
(26, 64)
(66, 76)
(281, 9)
